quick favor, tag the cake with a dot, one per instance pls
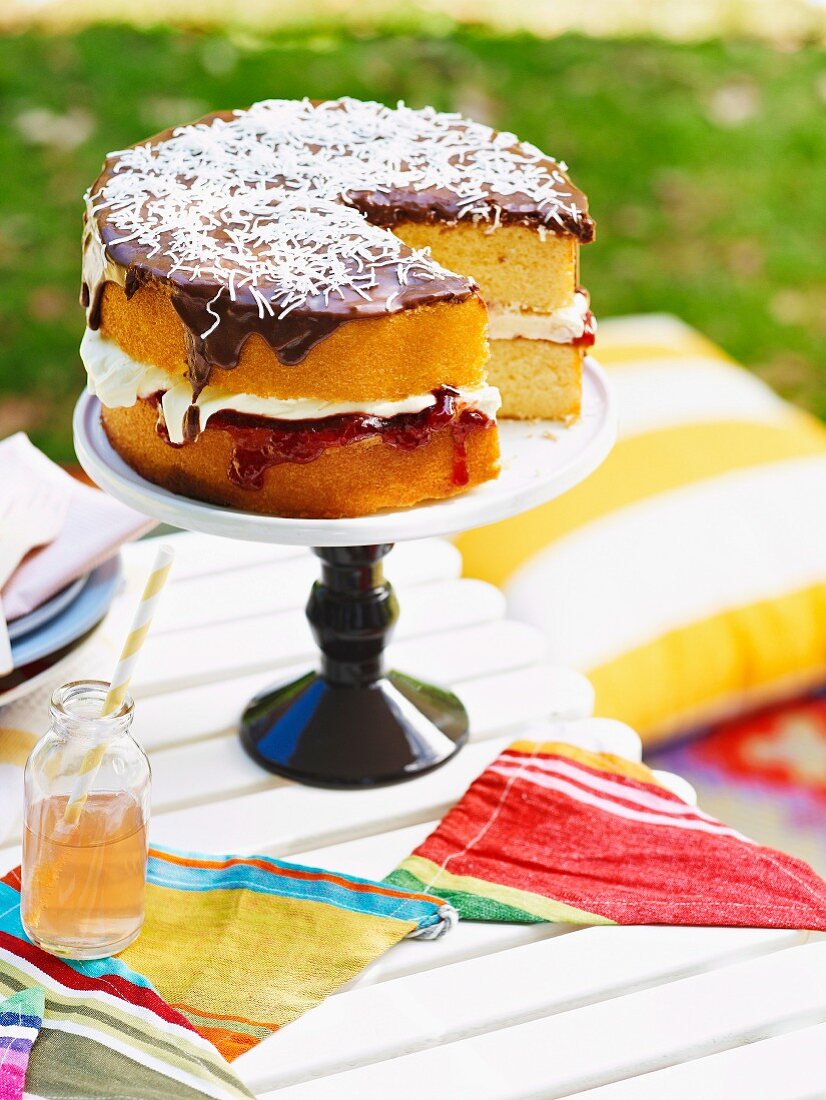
(526, 264)
(286, 305)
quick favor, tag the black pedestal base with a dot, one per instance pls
(352, 724)
(329, 735)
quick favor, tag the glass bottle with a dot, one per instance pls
(84, 871)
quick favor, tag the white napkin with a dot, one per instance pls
(96, 526)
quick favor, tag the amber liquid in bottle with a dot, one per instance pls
(84, 883)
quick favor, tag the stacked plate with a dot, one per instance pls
(50, 633)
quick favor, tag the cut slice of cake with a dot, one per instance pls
(539, 319)
(268, 330)
(536, 358)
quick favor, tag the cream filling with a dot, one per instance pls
(560, 325)
(118, 380)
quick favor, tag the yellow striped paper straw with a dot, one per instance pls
(121, 678)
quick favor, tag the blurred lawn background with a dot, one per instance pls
(703, 151)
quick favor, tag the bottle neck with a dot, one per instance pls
(77, 711)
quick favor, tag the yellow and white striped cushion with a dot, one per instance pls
(687, 576)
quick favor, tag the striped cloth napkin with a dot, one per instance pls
(233, 948)
(550, 832)
(21, 1017)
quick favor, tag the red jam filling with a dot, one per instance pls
(589, 333)
(259, 442)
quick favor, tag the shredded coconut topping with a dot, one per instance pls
(262, 200)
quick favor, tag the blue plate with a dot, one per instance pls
(75, 620)
(48, 610)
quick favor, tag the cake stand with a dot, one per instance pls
(352, 723)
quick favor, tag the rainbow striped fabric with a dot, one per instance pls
(550, 832)
(312, 931)
(233, 948)
(106, 1034)
(21, 1017)
(687, 576)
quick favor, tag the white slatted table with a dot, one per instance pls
(489, 1012)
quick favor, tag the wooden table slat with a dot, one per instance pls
(604, 1042)
(786, 1067)
(291, 818)
(200, 654)
(270, 586)
(482, 995)
(197, 555)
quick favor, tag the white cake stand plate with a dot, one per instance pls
(352, 724)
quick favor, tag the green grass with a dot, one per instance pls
(703, 163)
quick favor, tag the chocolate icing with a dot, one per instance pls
(392, 208)
(95, 306)
(218, 320)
